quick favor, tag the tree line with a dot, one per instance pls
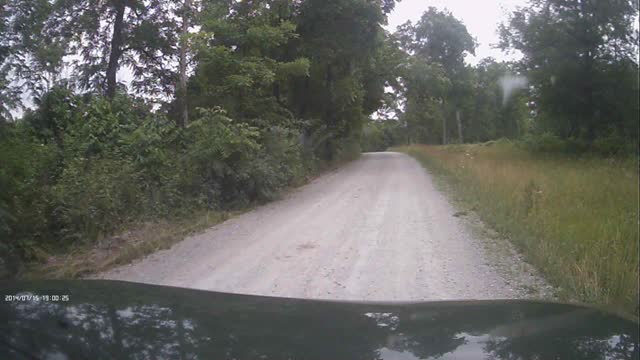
(574, 89)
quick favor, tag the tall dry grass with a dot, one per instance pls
(574, 218)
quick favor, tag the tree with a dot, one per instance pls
(495, 112)
(425, 86)
(243, 64)
(439, 38)
(581, 58)
(112, 34)
(29, 62)
(187, 14)
(341, 38)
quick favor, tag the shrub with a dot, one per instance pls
(380, 135)
(93, 197)
(372, 138)
(613, 145)
(27, 166)
(80, 168)
(76, 173)
(232, 163)
(544, 143)
(220, 152)
(280, 163)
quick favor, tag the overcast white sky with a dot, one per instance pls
(480, 16)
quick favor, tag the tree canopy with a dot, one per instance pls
(582, 60)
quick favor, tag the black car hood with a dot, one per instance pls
(110, 320)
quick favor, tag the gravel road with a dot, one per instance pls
(375, 229)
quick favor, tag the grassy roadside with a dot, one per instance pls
(137, 241)
(576, 219)
(141, 239)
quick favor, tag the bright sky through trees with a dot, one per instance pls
(480, 17)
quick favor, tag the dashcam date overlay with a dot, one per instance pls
(28, 297)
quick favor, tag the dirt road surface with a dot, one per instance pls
(375, 229)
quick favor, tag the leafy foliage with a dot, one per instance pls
(380, 135)
(25, 54)
(437, 83)
(578, 79)
(581, 58)
(117, 162)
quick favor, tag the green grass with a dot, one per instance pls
(575, 218)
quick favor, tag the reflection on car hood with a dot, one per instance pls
(110, 319)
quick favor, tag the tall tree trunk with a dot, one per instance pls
(589, 52)
(183, 119)
(459, 121)
(116, 49)
(444, 123)
(444, 130)
(329, 80)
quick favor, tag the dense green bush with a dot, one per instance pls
(612, 145)
(93, 197)
(279, 164)
(380, 135)
(372, 138)
(219, 156)
(27, 167)
(544, 143)
(80, 168)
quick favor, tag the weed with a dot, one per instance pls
(575, 218)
